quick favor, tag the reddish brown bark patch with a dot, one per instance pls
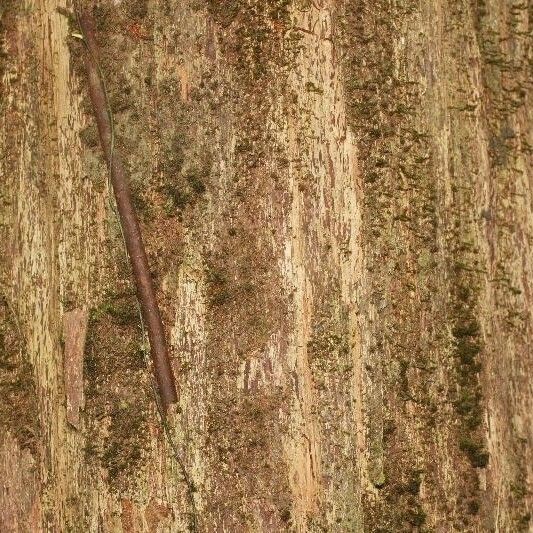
(155, 513)
(20, 508)
(74, 334)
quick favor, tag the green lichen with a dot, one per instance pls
(186, 175)
(118, 398)
(219, 291)
(416, 516)
(475, 451)
(468, 346)
(136, 9)
(123, 311)
(195, 179)
(124, 447)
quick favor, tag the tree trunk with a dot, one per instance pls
(336, 202)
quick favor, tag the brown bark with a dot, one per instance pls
(130, 226)
(335, 199)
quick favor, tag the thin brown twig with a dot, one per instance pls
(128, 219)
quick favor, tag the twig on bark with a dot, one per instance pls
(130, 226)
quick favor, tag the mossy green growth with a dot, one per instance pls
(475, 451)
(254, 41)
(9, 9)
(117, 394)
(468, 405)
(178, 198)
(219, 289)
(195, 179)
(141, 205)
(123, 311)
(123, 449)
(524, 522)
(413, 484)
(416, 516)
(468, 345)
(136, 9)
(186, 184)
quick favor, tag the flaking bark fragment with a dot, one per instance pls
(74, 334)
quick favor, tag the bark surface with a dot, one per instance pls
(336, 202)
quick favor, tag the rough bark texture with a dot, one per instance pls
(126, 215)
(336, 199)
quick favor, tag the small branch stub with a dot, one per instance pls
(130, 226)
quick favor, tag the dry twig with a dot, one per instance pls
(128, 219)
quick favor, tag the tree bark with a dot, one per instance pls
(335, 198)
(133, 242)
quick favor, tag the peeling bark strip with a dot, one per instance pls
(74, 333)
(128, 220)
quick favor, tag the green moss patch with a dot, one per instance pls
(119, 400)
